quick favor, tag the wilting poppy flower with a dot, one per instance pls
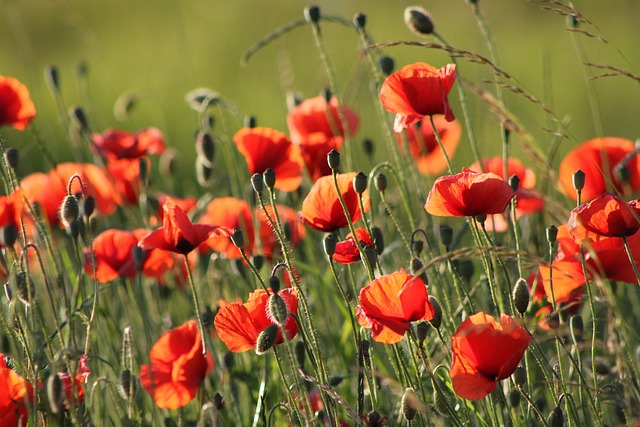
(416, 91)
(239, 325)
(178, 234)
(484, 352)
(177, 367)
(15, 394)
(294, 229)
(469, 194)
(315, 126)
(321, 209)
(390, 303)
(113, 253)
(265, 148)
(119, 144)
(347, 251)
(598, 159)
(16, 108)
(230, 213)
(607, 216)
(423, 145)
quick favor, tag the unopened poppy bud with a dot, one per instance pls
(370, 253)
(446, 235)
(360, 183)
(360, 20)
(205, 147)
(69, 210)
(266, 339)
(124, 105)
(521, 296)
(367, 146)
(418, 20)
(203, 172)
(481, 218)
(441, 399)
(329, 243)
(386, 65)
(301, 354)
(520, 376)
(572, 20)
(207, 317)
(228, 360)
(143, 163)
(578, 180)
(258, 261)
(312, 14)
(552, 234)
(378, 239)
(277, 310)
(79, 117)
(293, 99)
(466, 269)
(623, 173)
(416, 247)
(7, 291)
(576, 325)
(514, 182)
(218, 401)
(436, 321)
(168, 163)
(333, 159)
(326, 94)
(23, 285)
(127, 385)
(75, 229)
(269, 177)
(380, 182)
(88, 206)
(514, 398)
(553, 321)
(237, 238)
(51, 77)
(9, 235)
(417, 267)
(556, 418)
(55, 393)
(12, 157)
(409, 404)
(374, 419)
(274, 284)
(335, 380)
(422, 329)
(250, 122)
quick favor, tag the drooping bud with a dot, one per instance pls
(52, 78)
(380, 182)
(124, 105)
(312, 14)
(409, 404)
(168, 163)
(127, 385)
(552, 234)
(293, 100)
(329, 244)
(237, 238)
(418, 21)
(386, 65)
(266, 339)
(553, 320)
(25, 287)
(578, 180)
(8, 235)
(521, 295)
(205, 147)
(465, 269)
(69, 210)
(360, 183)
(79, 117)
(416, 247)
(203, 172)
(576, 325)
(436, 321)
(377, 239)
(250, 122)
(333, 159)
(556, 418)
(12, 157)
(520, 376)
(274, 284)
(446, 235)
(269, 177)
(55, 393)
(277, 310)
(514, 182)
(360, 20)
(441, 399)
(422, 329)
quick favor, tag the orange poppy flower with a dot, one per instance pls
(186, 204)
(177, 367)
(230, 213)
(321, 209)
(566, 276)
(126, 177)
(119, 144)
(416, 91)
(293, 228)
(315, 126)
(113, 251)
(347, 251)
(484, 352)
(265, 148)
(390, 303)
(423, 145)
(178, 234)
(495, 165)
(15, 395)
(16, 108)
(239, 325)
(469, 193)
(607, 216)
(598, 158)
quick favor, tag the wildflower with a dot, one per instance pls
(15, 394)
(347, 251)
(598, 159)
(607, 216)
(177, 367)
(416, 91)
(265, 148)
(390, 303)
(294, 229)
(126, 177)
(316, 128)
(178, 234)
(240, 325)
(423, 145)
(231, 213)
(468, 194)
(80, 379)
(484, 352)
(321, 209)
(119, 144)
(16, 108)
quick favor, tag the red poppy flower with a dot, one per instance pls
(178, 234)
(119, 144)
(230, 213)
(598, 158)
(468, 194)
(607, 216)
(177, 367)
(113, 251)
(321, 209)
(239, 325)
(416, 91)
(347, 250)
(15, 395)
(126, 177)
(567, 276)
(423, 145)
(10, 211)
(265, 148)
(294, 229)
(186, 204)
(16, 108)
(495, 165)
(80, 379)
(315, 126)
(390, 303)
(484, 352)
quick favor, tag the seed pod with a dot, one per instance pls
(55, 393)
(556, 418)
(250, 122)
(51, 77)
(269, 177)
(514, 182)
(79, 117)
(436, 321)
(312, 14)
(277, 310)
(329, 244)
(12, 157)
(578, 180)
(552, 234)
(514, 398)
(88, 206)
(360, 183)
(418, 21)
(266, 339)
(520, 376)
(386, 65)
(257, 183)
(409, 404)
(237, 238)
(69, 210)
(360, 20)
(521, 296)
(333, 159)
(481, 218)
(446, 235)
(380, 182)
(9, 235)
(378, 239)
(127, 385)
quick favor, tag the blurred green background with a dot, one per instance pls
(161, 49)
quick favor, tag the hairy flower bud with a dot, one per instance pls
(266, 339)
(69, 210)
(378, 239)
(127, 385)
(409, 404)
(277, 310)
(521, 295)
(418, 20)
(55, 393)
(436, 321)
